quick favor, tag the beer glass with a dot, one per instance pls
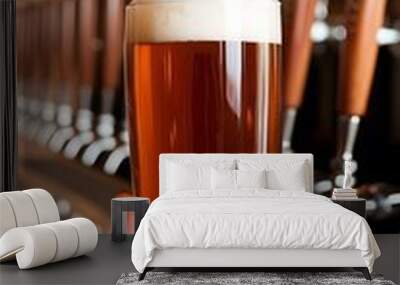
(202, 76)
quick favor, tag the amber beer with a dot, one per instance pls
(203, 76)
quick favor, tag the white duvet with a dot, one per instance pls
(250, 218)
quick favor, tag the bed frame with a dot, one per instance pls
(246, 259)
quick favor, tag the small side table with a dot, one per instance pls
(357, 206)
(120, 207)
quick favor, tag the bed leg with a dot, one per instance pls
(365, 272)
(142, 275)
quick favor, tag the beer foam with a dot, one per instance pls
(204, 20)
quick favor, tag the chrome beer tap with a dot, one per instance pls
(52, 27)
(358, 62)
(117, 157)
(88, 30)
(111, 76)
(65, 129)
(84, 125)
(34, 121)
(348, 127)
(49, 127)
(36, 80)
(64, 110)
(361, 37)
(105, 131)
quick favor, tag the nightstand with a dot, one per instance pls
(358, 205)
(120, 209)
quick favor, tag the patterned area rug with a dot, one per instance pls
(268, 278)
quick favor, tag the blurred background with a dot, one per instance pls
(73, 137)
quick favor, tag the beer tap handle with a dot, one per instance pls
(32, 105)
(64, 111)
(87, 35)
(87, 50)
(114, 21)
(113, 43)
(357, 66)
(23, 66)
(298, 20)
(68, 40)
(88, 19)
(359, 54)
(112, 65)
(50, 23)
(37, 102)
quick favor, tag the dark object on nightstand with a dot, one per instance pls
(358, 205)
(120, 207)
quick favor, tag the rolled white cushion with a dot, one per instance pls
(26, 208)
(87, 235)
(33, 246)
(67, 240)
(7, 218)
(37, 245)
(23, 208)
(45, 205)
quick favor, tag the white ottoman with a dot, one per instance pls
(41, 244)
(26, 208)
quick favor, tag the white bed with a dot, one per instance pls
(250, 227)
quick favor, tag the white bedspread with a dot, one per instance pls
(250, 219)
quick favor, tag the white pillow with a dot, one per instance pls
(236, 179)
(251, 178)
(187, 174)
(223, 179)
(282, 174)
(182, 177)
(199, 162)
